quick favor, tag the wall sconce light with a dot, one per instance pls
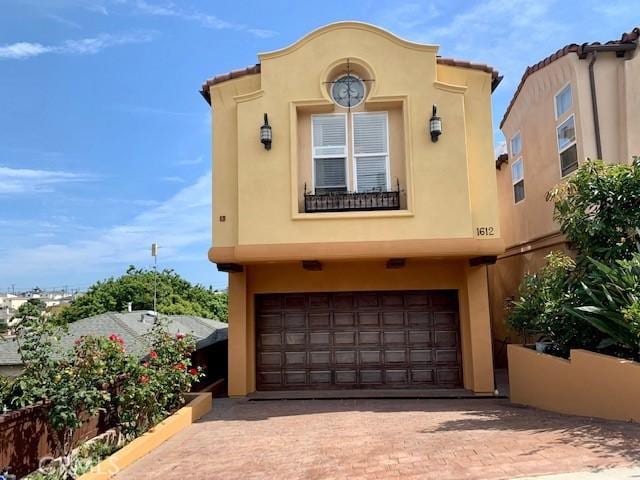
(435, 125)
(266, 135)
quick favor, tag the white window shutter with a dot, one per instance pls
(329, 135)
(329, 151)
(370, 148)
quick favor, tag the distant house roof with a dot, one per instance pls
(626, 38)
(496, 78)
(133, 327)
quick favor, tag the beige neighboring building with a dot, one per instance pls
(581, 102)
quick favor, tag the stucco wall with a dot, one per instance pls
(588, 384)
(258, 191)
(335, 277)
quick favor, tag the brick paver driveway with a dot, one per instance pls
(440, 439)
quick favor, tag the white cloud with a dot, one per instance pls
(169, 9)
(23, 50)
(190, 161)
(173, 179)
(85, 46)
(179, 225)
(25, 180)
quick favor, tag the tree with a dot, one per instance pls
(33, 308)
(599, 210)
(176, 296)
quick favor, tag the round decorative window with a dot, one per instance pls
(348, 91)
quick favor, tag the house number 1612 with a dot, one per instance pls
(484, 231)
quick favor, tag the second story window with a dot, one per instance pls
(517, 177)
(329, 139)
(563, 101)
(360, 152)
(370, 151)
(566, 133)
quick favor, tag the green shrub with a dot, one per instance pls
(609, 300)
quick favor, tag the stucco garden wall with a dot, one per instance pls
(589, 384)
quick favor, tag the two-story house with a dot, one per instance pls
(581, 102)
(355, 209)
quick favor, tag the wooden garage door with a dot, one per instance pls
(391, 339)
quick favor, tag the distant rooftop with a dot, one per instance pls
(133, 327)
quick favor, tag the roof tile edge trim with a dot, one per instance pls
(496, 78)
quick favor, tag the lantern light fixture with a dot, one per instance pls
(435, 125)
(266, 136)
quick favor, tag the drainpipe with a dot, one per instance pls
(594, 104)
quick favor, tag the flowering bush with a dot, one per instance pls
(98, 374)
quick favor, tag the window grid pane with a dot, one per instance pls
(516, 145)
(569, 160)
(370, 133)
(566, 133)
(517, 172)
(330, 173)
(372, 174)
(518, 191)
(563, 101)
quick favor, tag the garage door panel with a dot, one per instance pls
(371, 357)
(344, 377)
(344, 338)
(371, 376)
(295, 338)
(319, 320)
(320, 359)
(421, 356)
(295, 302)
(270, 339)
(344, 319)
(320, 338)
(358, 340)
(295, 359)
(368, 338)
(417, 337)
(295, 321)
(393, 319)
(395, 356)
(397, 377)
(394, 338)
(347, 357)
(368, 319)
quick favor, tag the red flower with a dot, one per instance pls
(153, 355)
(179, 366)
(193, 371)
(116, 338)
(78, 341)
(145, 364)
(144, 379)
(179, 336)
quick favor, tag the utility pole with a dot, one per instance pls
(154, 254)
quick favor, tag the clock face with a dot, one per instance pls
(348, 91)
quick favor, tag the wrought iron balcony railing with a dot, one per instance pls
(351, 201)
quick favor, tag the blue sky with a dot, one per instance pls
(105, 141)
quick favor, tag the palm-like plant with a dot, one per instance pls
(610, 302)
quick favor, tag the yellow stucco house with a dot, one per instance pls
(356, 236)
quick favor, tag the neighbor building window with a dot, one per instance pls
(369, 153)
(517, 177)
(516, 146)
(563, 101)
(329, 139)
(567, 148)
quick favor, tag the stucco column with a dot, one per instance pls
(480, 329)
(237, 334)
